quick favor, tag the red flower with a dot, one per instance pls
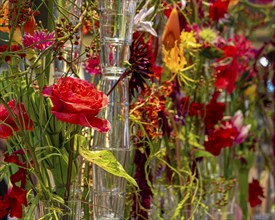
(17, 198)
(214, 112)
(12, 202)
(20, 175)
(13, 159)
(220, 138)
(92, 65)
(192, 108)
(8, 125)
(227, 76)
(78, 102)
(255, 193)
(4, 207)
(169, 7)
(13, 48)
(218, 9)
(234, 63)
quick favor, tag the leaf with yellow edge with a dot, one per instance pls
(107, 161)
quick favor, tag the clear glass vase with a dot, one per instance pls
(77, 207)
(116, 22)
(67, 60)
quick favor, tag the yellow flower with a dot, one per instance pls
(174, 59)
(188, 41)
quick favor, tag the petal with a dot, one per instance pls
(95, 123)
(5, 131)
(66, 117)
(146, 26)
(47, 91)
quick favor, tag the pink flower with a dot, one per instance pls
(41, 40)
(92, 65)
(237, 122)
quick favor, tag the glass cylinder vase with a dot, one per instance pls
(116, 22)
(68, 18)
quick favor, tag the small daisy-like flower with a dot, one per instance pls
(92, 65)
(41, 40)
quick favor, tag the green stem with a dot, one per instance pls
(50, 27)
(243, 190)
(69, 172)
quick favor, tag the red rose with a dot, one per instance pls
(8, 125)
(78, 102)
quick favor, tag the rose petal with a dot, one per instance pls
(66, 117)
(95, 123)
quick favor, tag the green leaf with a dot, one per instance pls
(107, 161)
(203, 153)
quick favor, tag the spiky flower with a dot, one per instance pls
(41, 40)
(140, 66)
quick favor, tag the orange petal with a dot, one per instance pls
(171, 32)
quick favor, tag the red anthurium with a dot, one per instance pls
(255, 193)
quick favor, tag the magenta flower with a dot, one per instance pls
(237, 122)
(41, 40)
(92, 65)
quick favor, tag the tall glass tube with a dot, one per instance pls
(67, 14)
(116, 23)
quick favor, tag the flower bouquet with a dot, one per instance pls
(48, 114)
(184, 103)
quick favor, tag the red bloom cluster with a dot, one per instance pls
(255, 193)
(220, 138)
(192, 108)
(7, 123)
(218, 9)
(234, 63)
(213, 111)
(12, 202)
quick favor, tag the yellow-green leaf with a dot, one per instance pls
(107, 161)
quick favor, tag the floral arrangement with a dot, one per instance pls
(201, 91)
